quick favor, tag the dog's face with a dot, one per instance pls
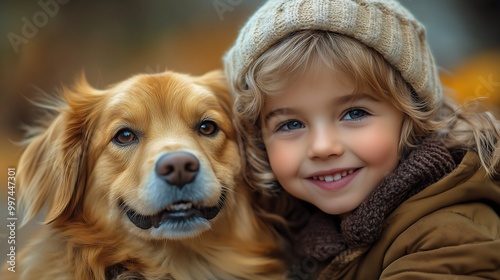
(154, 155)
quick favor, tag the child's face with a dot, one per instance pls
(328, 146)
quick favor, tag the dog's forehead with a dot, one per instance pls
(158, 88)
(119, 92)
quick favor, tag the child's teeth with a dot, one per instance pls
(334, 177)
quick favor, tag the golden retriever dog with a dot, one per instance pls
(142, 181)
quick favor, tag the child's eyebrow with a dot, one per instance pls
(279, 111)
(354, 97)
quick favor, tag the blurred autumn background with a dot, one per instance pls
(46, 43)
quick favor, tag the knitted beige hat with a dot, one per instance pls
(383, 25)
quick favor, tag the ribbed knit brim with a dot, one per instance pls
(383, 25)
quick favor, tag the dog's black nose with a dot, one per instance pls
(177, 168)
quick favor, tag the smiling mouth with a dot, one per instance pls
(334, 177)
(175, 212)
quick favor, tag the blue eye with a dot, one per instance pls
(355, 114)
(290, 125)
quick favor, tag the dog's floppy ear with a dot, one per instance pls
(217, 82)
(53, 168)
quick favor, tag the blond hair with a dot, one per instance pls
(460, 127)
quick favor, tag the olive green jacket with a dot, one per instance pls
(450, 230)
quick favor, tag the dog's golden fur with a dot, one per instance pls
(75, 169)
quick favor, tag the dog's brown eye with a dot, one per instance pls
(124, 137)
(208, 128)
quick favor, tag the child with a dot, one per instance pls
(339, 103)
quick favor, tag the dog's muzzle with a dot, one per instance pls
(177, 170)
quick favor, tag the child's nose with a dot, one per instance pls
(324, 143)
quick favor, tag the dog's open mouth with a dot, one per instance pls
(178, 211)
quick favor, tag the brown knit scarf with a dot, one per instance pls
(325, 236)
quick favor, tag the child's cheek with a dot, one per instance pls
(282, 157)
(379, 150)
